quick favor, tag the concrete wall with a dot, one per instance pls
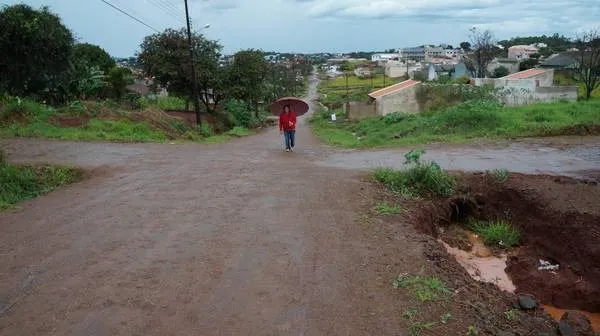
(404, 101)
(512, 66)
(361, 110)
(513, 96)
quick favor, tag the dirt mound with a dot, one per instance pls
(559, 219)
(580, 130)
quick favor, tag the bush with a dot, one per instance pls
(497, 234)
(462, 80)
(240, 113)
(17, 109)
(422, 179)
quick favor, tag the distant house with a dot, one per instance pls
(362, 72)
(401, 97)
(384, 57)
(521, 52)
(416, 53)
(565, 60)
(529, 86)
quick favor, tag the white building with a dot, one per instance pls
(520, 52)
(383, 57)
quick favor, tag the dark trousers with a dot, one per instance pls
(290, 139)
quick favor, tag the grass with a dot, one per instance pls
(102, 121)
(424, 288)
(386, 209)
(420, 179)
(501, 175)
(416, 329)
(164, 103)
(333, 91)
(461, 123)
(497, 234)
(512, 314)
(21, 183)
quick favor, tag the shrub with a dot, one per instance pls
(395, 117)
(422, 179)
(240, 113)
(20, 109)
(497, 234)
(462, 80)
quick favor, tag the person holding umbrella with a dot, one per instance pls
(288, 108)
(287, 127)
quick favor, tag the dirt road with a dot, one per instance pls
(233, 239)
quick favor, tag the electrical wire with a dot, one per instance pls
(130, 16)
(169, 11)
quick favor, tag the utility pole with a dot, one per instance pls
(193, 66)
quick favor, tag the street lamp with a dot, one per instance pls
(206, 26)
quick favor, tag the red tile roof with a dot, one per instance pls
(393, 88)
(526, 74)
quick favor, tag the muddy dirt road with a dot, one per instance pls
(233, 239)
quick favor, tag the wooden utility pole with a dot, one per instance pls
(193, 66)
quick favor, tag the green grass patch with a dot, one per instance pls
(497, 234)
(386, 209)
(461, 123)
(21, 183)
(501, 175)
(419, 179)
(101, 121)
(423, 287)
(163, 103)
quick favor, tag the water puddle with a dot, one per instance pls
(481, 264)
(557, 313)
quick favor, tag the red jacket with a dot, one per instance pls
(287, 121)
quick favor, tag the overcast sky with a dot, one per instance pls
(321, 25)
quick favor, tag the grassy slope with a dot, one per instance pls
(35, 120)
(21, 183)
(461, 123)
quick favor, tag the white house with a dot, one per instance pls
(522, 51)
(383, 57)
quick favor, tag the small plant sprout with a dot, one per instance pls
(384, 208)
(501, 175)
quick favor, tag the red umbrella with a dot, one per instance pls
(296, 104)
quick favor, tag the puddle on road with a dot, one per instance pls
(557, 313)
(481, 264)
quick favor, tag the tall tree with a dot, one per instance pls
(166, 57)
(247, 76)
(91, 55)
(466, 46)
(35, 52)
(483, 51)
(588, 61)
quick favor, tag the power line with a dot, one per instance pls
(173, 7)
(131, 16)
(169, 11)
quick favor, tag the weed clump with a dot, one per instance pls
(424, 288)
(497, 234)
(421, 179)
(20, 183)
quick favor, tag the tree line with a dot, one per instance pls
(41, 59)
